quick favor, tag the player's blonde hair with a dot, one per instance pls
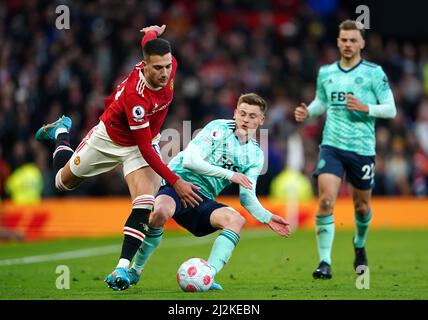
(352, 25)
(253, 99)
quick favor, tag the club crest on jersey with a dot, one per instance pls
(215, 134)
(138, 113)
(77, 160)
(171, 85)
(359, 80)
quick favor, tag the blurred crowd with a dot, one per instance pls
(273, 48)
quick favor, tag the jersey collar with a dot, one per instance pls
(232, 127)
(349, 70)
(237, 139)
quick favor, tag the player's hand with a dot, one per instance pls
(280, 226)
(355, 104)
(159, 30)
(187, 194)
(301, 113)
(242, 180)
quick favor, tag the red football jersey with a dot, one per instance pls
(135, 112)
(134, 105)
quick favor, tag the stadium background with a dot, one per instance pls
(224, 48)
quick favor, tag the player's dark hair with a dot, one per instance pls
(156, 46)
(352, 25)
(254, 100)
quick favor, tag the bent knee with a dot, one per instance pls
(234, 221)
(241, 220)
(65, 181)
(159, 216)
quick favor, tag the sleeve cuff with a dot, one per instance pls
(142, 126)
(267, 217)
(228, 174)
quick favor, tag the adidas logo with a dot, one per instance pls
(145, 226)
(322, 230)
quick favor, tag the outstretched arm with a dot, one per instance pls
(136, 113)
(250, 202)
(185, 190)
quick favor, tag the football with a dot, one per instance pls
(195, 275)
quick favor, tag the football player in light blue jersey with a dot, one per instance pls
(224, 152)
(353, 93)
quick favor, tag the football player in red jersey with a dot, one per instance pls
(128, 133)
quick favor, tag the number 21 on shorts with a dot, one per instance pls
(368, 171)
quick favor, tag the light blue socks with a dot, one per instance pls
(222, 249)
(324, 228)
(361, 229)
(150, 243)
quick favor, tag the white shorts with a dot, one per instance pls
(97, 154)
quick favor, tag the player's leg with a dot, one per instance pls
(208, 217)
(143, 183)
(163, 210)
(58, 132)
(231, 223)
(166, 203)
(363, 215)
(360, 173)
(329, 171)
(328, 186)
(96, 154)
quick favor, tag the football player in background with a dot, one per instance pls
(354, 93)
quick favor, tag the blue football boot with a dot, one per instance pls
(118, 279)
(110, 282)
(216, 286)
(47, 132)
(133, 276)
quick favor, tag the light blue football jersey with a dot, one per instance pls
(346, 129)
(220, 147)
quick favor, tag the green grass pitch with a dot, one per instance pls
(263, 267)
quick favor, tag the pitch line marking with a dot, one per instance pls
(105, 250)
